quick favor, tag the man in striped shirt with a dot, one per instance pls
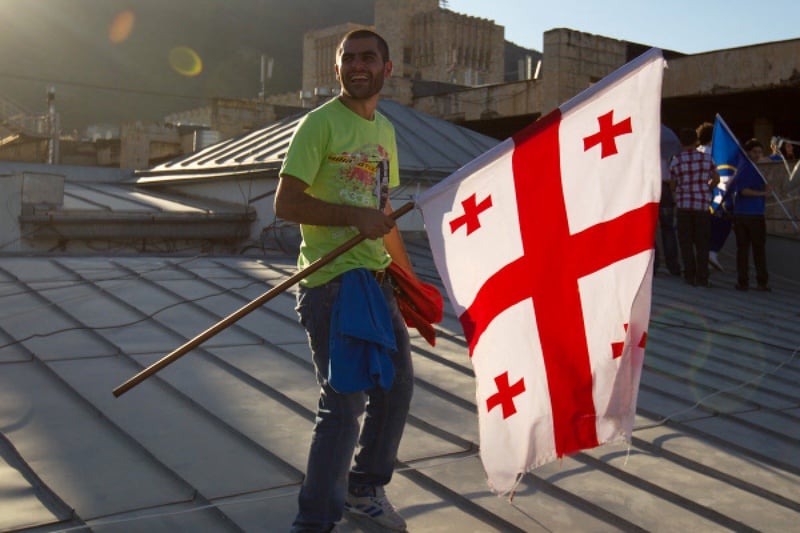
(694, 176)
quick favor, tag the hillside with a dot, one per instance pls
(109, 60)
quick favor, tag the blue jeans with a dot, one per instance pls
(336, 431)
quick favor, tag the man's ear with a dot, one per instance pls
(387, 69)
(336, 70)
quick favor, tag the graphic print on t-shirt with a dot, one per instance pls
(364, 175)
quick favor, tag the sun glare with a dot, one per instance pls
(185, 61)
(121, 27)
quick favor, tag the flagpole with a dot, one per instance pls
(774, 195)
(248, 308)
(785, 211)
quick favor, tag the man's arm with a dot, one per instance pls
(756, 192)
(673, 179)
(293, 204)
(714, 181)
(393, 242)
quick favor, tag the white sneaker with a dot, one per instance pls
(714, 262)
(376, 507)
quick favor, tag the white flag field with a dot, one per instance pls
(545, 247)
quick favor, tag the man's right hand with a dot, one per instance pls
(371, 223)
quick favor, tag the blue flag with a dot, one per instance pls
(732, 164)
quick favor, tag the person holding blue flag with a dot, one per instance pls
(749, 222)
(748, 189)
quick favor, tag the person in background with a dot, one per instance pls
(670, 147)
(335, 182)
(775, 150)
(788, 151)
(720, 203)
(705, 134)
(750, 223)
(693, 177)
(781, 150)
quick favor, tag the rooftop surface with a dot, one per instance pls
(429, 148)
(218, 440)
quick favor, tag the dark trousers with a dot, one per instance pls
(669, 239)
(751, 234)
(694, 232)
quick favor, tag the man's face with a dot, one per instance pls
(361, 69)
(756, 153)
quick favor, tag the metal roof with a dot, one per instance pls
(428, 147)
(218, 440)
(112, 212)
(87, 203)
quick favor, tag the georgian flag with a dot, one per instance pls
(545, 247)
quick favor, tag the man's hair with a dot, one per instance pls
(687, 136)
(363, 33)
(752, 143)
(704, 132)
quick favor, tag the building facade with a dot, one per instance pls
(427, 43)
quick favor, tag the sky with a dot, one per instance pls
(681, 25)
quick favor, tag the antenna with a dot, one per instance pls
(266, 74)
(53, 123)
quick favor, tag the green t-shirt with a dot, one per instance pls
(344, 159)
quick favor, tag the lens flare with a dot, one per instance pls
(121, 27)
(697, 339)
(711, 345)
(185, 61)
(752, 343)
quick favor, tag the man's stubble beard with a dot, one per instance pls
(360, 92)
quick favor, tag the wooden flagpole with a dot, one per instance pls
(248, 308)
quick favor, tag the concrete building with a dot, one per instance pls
(430, 46)
(427, 43)
(754, 87)
(452, 66)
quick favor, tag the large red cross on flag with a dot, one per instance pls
(545, 247)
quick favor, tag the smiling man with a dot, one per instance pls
(335, 183)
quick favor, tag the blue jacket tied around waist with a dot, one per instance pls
(362, 338)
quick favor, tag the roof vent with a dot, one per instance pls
(204, 138)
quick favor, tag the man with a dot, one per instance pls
(749, 222)
(334, 182)
(693, 177)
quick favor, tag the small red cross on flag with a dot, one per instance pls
(551, 278)
(504, 396)
(472, 211)
(607, 135)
